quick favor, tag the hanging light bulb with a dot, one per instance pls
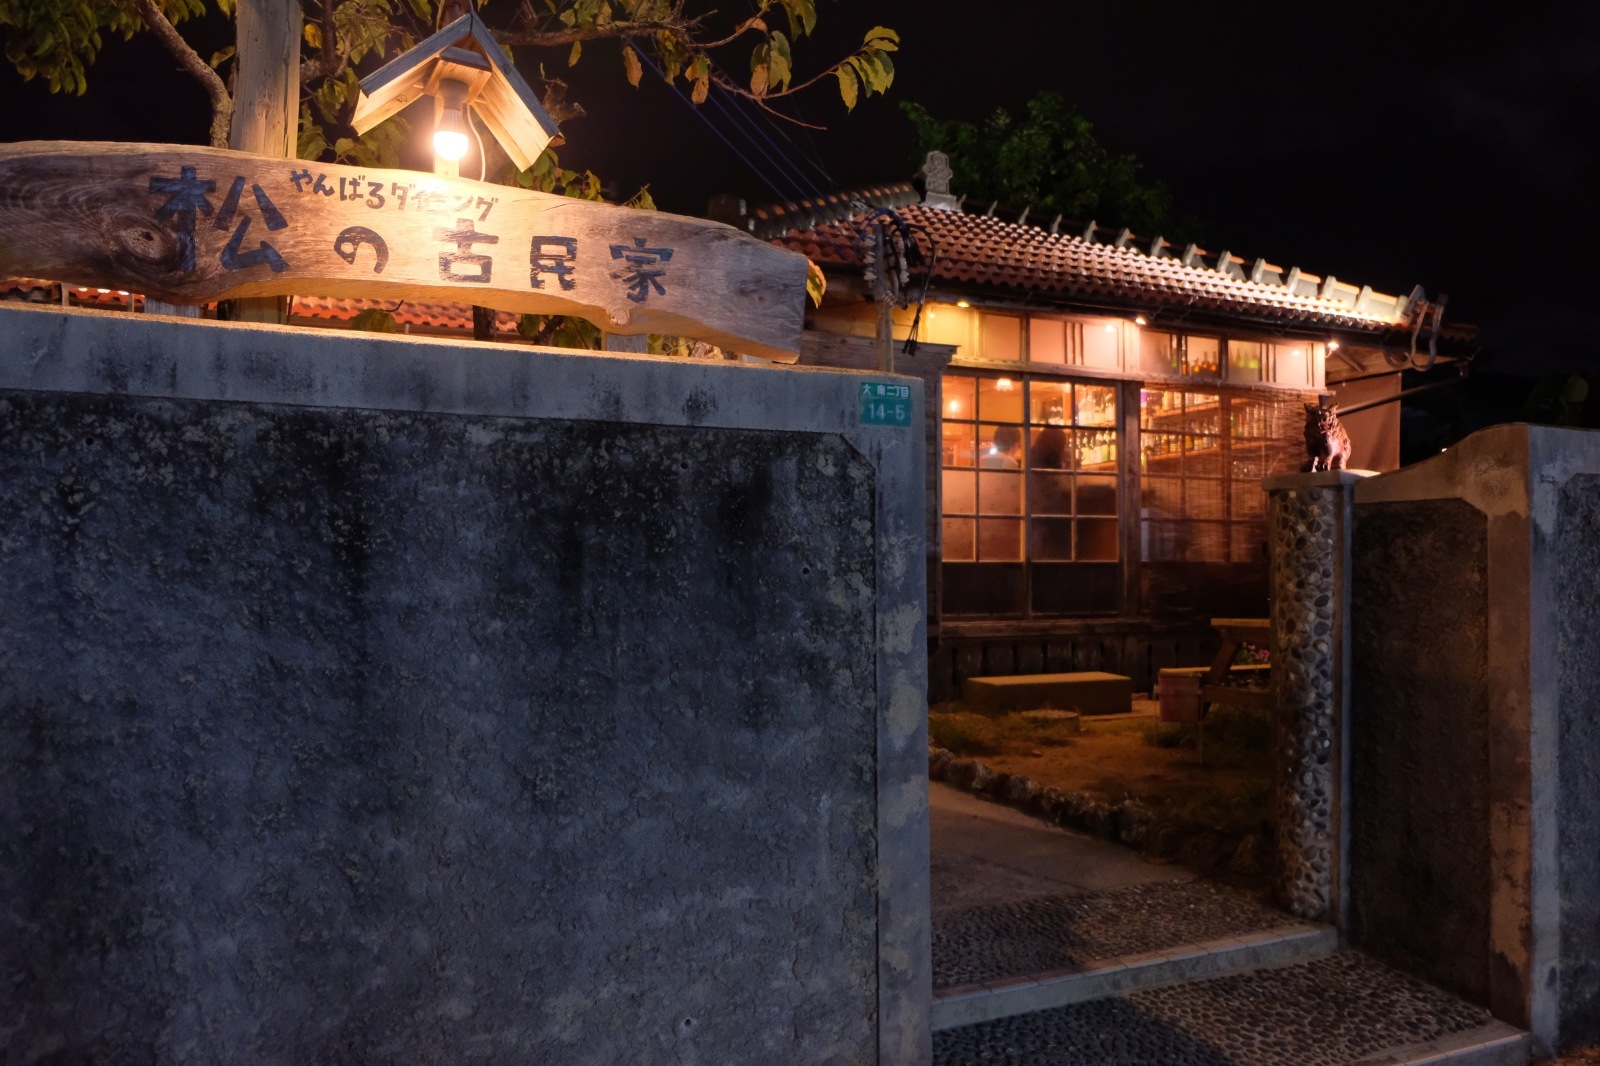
(450, 133)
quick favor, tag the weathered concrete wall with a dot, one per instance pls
(363, 699)
(1475, 687)
(1420, 742)
(1577, 563)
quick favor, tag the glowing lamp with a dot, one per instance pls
(1139, 320)
(450, 132)
(461, 66)
(962, 303)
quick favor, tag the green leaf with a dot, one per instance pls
(816, 283)
(630, 63)
(577, 50)
(883, 38)
(222, 57)
(760, 67)
(375, 320)
(313, 35)
(780, 67)
(847, 85)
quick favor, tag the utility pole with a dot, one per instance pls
(881, 294)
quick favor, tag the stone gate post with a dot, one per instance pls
(1309, 518)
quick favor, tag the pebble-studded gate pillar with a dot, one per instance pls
(1309, 519)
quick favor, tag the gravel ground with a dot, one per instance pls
(1327, 1012)
(990, 941)
(1585, 1057)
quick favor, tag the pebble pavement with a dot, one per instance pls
(991, 941)
(1328, 1012)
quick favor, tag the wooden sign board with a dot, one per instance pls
(190, 225)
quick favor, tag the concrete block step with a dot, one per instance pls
(1009, 996)
(1341, 1009)
(975, 944)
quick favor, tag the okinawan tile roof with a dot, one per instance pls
(417, 314)
(421, 314)
(983, 253)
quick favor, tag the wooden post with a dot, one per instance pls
(266, 112)
(880, 292)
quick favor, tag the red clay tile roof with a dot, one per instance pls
(418, 314)
(981, 253)
(978, 251)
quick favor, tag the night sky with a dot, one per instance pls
(1390, 144)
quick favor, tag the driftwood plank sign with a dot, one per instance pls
(189, 225)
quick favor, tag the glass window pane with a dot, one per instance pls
(1161, 497)
(960, 447)
(1097, 495)
(1245, 360)
(1049, 402)
(1248, 543)
(1050, 493)
(1248, 461)
(1048, 450)
(1161, 453)
(1203, 498)
(1050, 540)
(1249, 501)
(1097, 540)
(1096, 405)
(1162, 542)
(960, 492)
(1002, 337)
(1158, 352)
(1047, 340)
(1000, 399)
(1202, 356)
(1094, 449)
(1101, 340)
(1000, 447)
(1000, 539)
(1159, 407)
(960, 395)
(999, 493)
(1290, 364)
(1202, 457)
(960, 543)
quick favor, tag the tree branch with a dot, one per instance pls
(739, 90)
(331, 59)
(189, 59)
(536, 38)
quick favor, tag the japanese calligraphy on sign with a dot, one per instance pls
(199, 224)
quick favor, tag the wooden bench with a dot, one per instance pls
(1091, 692)
(1215, 687)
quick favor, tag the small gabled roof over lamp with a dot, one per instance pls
(461, 67)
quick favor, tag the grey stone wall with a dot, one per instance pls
(1477, 614)
(1420, 793)
(1577, 576)
(365, 700)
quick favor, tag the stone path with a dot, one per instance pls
(1053, 948)
(985, 942)
(1335, 1011)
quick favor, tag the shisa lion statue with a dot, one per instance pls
(1327, 443)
